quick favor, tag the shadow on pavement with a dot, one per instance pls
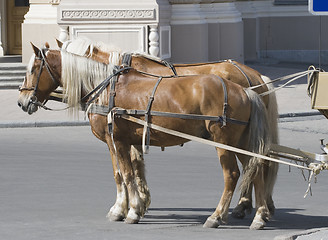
(284, 218)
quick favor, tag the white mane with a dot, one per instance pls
(84, 47)
(81, 73)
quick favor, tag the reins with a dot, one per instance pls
(293, 77)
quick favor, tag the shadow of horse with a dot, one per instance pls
(284, 218)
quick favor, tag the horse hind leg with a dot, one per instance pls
(244, 205)
(262, 214)
(138, 164)
(231, 174)
(270, 176)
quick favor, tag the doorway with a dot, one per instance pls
(15, 16)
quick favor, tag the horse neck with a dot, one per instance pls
(144, 64)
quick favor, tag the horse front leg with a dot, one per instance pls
(231, 174)
(119, 210)
(138, 164)
(137, 207)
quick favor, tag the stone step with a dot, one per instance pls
(10, 84)
(11, 78)
(12, 66)
(12, 72)
(11, 59)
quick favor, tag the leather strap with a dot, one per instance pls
(146, 130)
(171, 66)
(126, 60)
(245, 75)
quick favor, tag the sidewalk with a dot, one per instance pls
(12, 116)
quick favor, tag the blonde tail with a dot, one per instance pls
(272, 169)
(259, 139)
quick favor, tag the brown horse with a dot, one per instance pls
(199, 94)
(230, 70)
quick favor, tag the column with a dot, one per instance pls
(40, 26)
(63, 34)
(1, 9)
(153, 41)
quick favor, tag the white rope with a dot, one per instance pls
(284, 85)
(293, 77)
(280, 79)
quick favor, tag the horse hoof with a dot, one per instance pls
(238, 214)
(257, 225)
(131, 221)
(132, 217)
(271, 209)
(211, 223)
(115, 218)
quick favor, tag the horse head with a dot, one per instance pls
(42, 77)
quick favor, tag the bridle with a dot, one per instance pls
(44, 63)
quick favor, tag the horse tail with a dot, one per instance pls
(259, 139)
(272, 108)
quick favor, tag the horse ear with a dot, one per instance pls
(35, 49)
(46, 45)
(59, 43)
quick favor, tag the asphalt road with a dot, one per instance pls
(57, 183)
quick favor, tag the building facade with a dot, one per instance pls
(179, 30)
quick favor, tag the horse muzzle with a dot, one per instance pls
(28, 104)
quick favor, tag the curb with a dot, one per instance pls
(299, 114)
(43, 124)
(305, 234)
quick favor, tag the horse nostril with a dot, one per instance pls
(21, 106)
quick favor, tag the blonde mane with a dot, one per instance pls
(84, 47)
(82, 74)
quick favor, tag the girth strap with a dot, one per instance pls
(245, 75)
(146, 129)
(225, 104)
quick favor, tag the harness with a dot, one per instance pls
(245, 75)
(111, 111)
